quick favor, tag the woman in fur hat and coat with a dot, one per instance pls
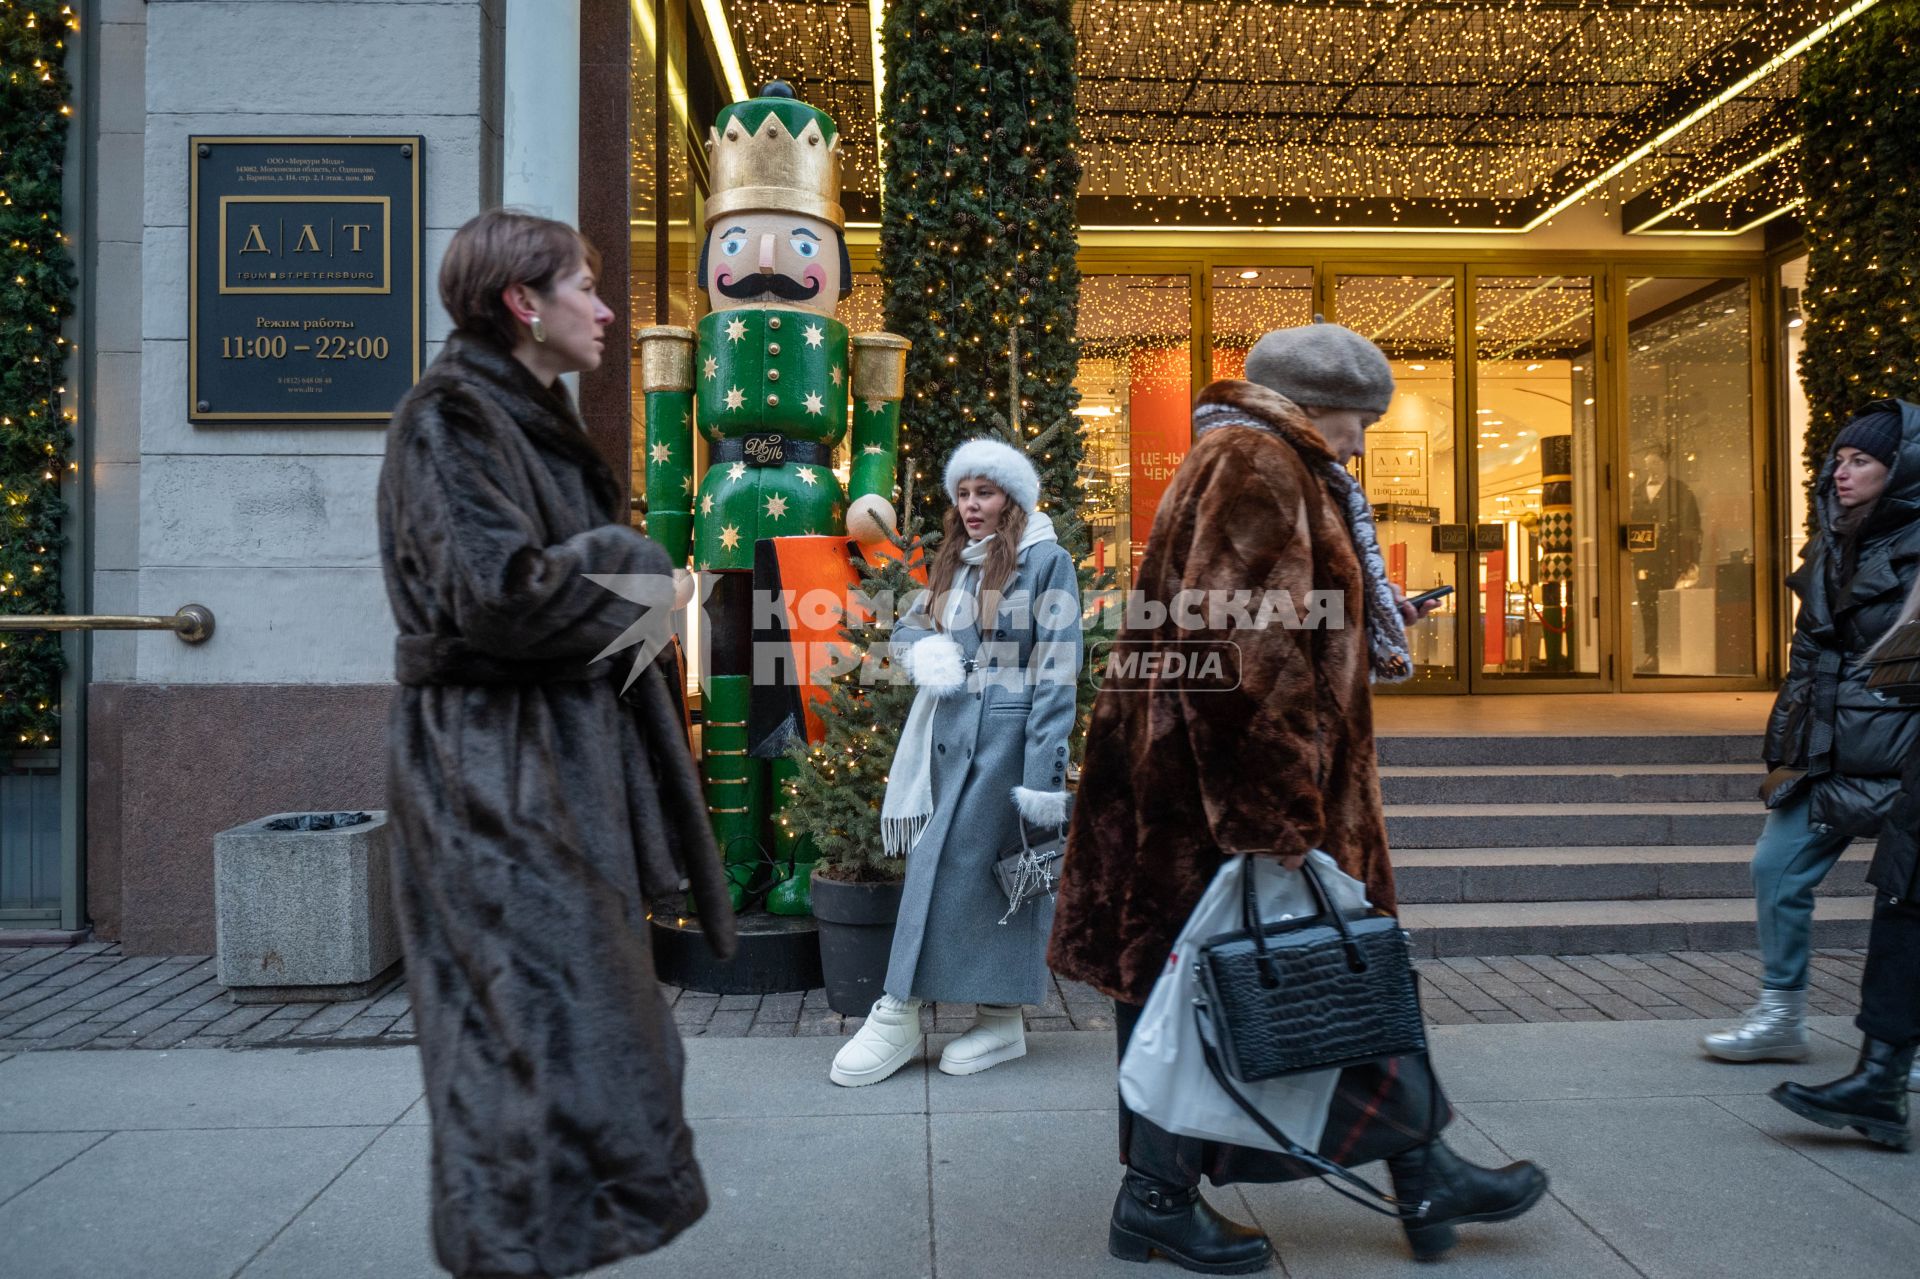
(1179, 776)
(993, 645)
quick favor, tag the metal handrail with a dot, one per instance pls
(193, 623)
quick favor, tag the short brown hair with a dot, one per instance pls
(502, 247)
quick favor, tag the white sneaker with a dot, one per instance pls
(998, 1034)
(888, 1040)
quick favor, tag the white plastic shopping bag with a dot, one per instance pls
(1164, 1076)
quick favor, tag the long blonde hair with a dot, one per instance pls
(1003, 558)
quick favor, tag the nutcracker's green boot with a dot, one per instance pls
(793, 852)
(736, 784)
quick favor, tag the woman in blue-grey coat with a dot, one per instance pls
(994, 648)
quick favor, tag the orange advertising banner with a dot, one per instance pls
(1160, 429)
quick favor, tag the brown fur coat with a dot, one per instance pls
(1281, 764)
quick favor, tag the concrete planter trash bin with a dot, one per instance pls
(303, 907)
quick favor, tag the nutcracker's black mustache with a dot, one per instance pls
(763, 283)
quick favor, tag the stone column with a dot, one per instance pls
(271, 527)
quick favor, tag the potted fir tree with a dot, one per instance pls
(838, 789)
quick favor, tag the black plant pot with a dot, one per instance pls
(856, 939)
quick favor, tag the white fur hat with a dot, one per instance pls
(1002, 463)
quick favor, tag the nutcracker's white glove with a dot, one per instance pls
(870, 519)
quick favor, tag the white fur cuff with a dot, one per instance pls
(1041, 807)
(934, 663)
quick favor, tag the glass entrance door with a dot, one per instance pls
(1538, 527)
(1410, 467)
(1691, 508)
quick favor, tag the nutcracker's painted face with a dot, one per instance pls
(775, 259)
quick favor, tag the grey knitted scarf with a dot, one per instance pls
(1389, 658)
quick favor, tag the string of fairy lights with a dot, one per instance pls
(1370, 113)
(36, 295)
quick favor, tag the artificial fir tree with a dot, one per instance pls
(1059, 498)
(36, 298)
(978, 223)
(1860, 116)
(839, 783)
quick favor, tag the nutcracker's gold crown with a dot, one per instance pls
(774, 153)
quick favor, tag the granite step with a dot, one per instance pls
(1448, 930)
(1571, 783)
(1464, 752)
(1428, 876)
(1539, 825)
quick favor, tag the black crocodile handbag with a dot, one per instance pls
(1317, 993)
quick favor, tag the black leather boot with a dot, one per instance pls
(1452, 1192)
(1156, 1216)
(1873, 1099)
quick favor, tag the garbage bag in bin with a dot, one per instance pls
(318, 821)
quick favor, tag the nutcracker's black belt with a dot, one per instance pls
(770, 449)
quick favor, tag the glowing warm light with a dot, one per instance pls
(716, 13)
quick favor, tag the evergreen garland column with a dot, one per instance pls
(978, 233)
(36, 297)
(1860, 113)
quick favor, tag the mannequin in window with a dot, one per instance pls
(1659, 499)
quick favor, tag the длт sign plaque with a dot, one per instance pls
(305, 278)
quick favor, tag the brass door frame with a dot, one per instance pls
(1326, 286)
(1760, 434)
(1603, 426)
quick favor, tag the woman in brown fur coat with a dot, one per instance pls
(1178, 775)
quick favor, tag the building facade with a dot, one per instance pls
(1591, 319)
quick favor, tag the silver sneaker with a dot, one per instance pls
(1774, 1029)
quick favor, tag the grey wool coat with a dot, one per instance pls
(1006, 726)
(533, 806)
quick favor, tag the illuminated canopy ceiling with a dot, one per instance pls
(1438, 114)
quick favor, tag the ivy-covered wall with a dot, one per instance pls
(36, 297)
(978, 229)
(1860, 113)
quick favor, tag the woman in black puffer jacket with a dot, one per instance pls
(1836, 749)
(1873, 1099)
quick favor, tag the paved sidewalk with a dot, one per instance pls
(289, 1163)
(93, 996)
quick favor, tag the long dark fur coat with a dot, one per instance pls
(533, 808)
(1282, 764)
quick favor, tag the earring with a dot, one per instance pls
(539, 329)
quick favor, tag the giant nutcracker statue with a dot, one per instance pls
(767, 377)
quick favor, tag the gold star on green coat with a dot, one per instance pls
(782, 365)
(768, 369)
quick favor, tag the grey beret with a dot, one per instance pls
(1328, 366)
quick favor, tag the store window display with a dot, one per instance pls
(1690, 516)
(1664, 541)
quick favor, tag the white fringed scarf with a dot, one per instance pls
(909, 802)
